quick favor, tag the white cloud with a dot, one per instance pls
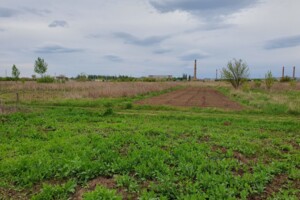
(141, 37)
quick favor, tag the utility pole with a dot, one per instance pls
(283, 72)
(216, 74)
(294, 72)
(195, 70)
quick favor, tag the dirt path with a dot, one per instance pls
(193, 97)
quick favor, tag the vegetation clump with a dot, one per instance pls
(46, 79)
(40, 66)
(285, 79)
(269, 80)
(102, 193)
(15, 72)
(236, 72)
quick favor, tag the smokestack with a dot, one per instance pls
(294, 72)
(283, 72)
(195, 70)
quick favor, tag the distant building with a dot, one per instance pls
(160, 76)
(61, 78)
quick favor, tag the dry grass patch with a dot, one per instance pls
(32, 91)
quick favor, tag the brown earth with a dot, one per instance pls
(193, 97)
(107, 182)
(273, 187)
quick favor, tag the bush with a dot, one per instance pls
(285, 79)
(257, 83)
(46, 79)
(236, 72)
(82, 77)
(269, 80)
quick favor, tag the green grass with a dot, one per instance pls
(149, 151)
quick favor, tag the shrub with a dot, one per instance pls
(285, 79)
(82, 77)
(269, 80)
(257, 83)
(46, 79)
(236, 72)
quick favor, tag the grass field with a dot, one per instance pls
(111, 148)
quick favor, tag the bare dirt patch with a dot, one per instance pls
(273, 187)
(219, 148)
(107, 182)
(9, 193)
(193, 97)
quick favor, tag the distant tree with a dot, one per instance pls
(40, 66)
(236, 72)
(15, 72)
(269, 80)
(82, 77)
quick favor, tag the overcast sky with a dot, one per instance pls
(143, 37)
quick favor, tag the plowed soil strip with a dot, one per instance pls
(193, 97)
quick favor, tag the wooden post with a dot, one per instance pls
(294, 72)
(195, 70)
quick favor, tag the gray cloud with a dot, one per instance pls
(193, 56)
(58, 23)
(130, 39)
(113, 58)
(52, 49)
(7, 12)
(2, 29)
(221, 6)
(162, 51)
(39, 12)
(283, 42)
(214, 12)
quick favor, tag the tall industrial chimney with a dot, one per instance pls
(282, 72)
(294, 72)
(195, 70)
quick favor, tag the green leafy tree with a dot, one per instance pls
(15, 72)
(40, 66)
(236, 72)
(269, 80)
